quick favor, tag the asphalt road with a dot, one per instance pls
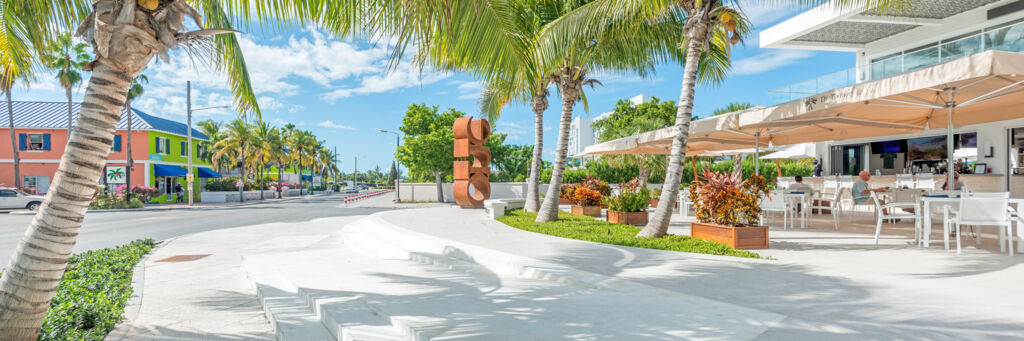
(106, 229)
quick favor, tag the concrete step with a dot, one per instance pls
(289, 315)
(346, 316)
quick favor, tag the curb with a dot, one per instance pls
(134, 304)
(149, 209)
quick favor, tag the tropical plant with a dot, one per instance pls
(584, 196)
(235, 145)
(263, 149)
(428, 142)
(212, 130)
(632, 197)
(7, 80)
(723, 199)
(596, 185)
(134, 91)
(646, 163)
(737, 160)
(567, 191)
(68, 59)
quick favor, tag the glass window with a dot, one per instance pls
(159, 145)
(35, 142)
(29, 181)
(8, 193)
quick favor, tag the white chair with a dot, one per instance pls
(784, 182)
(684, 202)
(830, 203)
(925, 181)
(830, 185)
(904, 181)
(846, 183)
(895, 212)
(980, 209)
(775, 202)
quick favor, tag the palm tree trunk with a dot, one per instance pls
(440, 193)
(14, 140)
(260, 174)
(737, 166)
(67, 91)
(570, 92)
(299, 172)
(280, 177)
(658, 224)
(241, 189)
(128, 158)
(30, 279)
(540, 103)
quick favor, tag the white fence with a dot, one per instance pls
(232, 196)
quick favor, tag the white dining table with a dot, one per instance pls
(792, 199)
(924, 218)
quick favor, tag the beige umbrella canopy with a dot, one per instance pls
(983, 87)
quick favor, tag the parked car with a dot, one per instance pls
(351, 190)
(11, 198)
(363, 187)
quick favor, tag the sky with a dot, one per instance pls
(342, 91)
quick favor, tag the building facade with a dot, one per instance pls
(582, 134)
(159, 149)
(885, 45)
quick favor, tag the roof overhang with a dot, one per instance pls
(831, 27)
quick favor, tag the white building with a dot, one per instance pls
(582, 133)
(883, 45)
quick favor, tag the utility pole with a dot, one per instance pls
(398, 166)
(190, 177)
(355, 174)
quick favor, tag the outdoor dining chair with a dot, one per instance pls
(775, 202)
(904, 181)
(846, 184)
(980, 209)
(830, 185)
(895, 211)
(925, 181)
(828, 202)
(684, 202)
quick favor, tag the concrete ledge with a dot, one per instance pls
(496, 208)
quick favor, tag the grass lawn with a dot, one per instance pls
(587, 228)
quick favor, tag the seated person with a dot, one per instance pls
(957, 184)
(861, 191)
(800, 186)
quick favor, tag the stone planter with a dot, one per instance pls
(745, 237)
(628, 218)
(593, 211)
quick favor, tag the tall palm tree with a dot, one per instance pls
(212, 130)
(7, 80)
(276, 146)
(134, 91)
(68, 58)
(708, 23)
(263, 150)
(236, 144)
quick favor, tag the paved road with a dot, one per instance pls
(108, 229)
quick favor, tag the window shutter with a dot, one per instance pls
(184, 148)
(46, 141)
(158, 145)
(22, 141)
(167, 145)
(117, 143)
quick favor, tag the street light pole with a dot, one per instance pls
(398, 166)
(190, 177)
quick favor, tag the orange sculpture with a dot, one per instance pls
(470, 136)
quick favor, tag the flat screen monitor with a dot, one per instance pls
(927, 148)
(887, 147)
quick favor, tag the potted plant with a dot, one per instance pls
(586, 201)
(598, 186)
(728, 210)
(630, 206)
(655, 195)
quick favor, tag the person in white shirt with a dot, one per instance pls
(800, 186)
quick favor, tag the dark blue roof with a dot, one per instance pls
(54, 115)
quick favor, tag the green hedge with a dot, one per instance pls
(92, 294)
(107, 202)
(615, 175)
(586, 228)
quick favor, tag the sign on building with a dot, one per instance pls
(115, 174)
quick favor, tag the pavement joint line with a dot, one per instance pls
(134, 304)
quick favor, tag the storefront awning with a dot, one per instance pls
(207, 173)
(307, 177)
(168, 170)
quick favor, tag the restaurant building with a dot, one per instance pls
(886, 46)
(159, 148)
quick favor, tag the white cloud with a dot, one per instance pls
(403, 76)
(512, 129)
(469, 90)
(767, 61)
(761, 13)
(332, 125)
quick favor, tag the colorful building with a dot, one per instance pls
(159, 149)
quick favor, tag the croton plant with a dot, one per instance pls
(584, 196)
(724, 199)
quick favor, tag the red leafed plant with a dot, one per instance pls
(583, 196)
(596, 185)
(567, 191)
(722, 199)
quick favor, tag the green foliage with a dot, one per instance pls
(627, 117)
(110, 202)
(632, 198)
(586, 228)
(720, 198)
(428, 142)
(603, 170)
(511, 162)
(93, 292)
(732, 107)
(768, 170)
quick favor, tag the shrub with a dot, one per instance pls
(596, 185)
(722, 199)
(93, 292)
(632, 198)
(586, 228)
(143, 193)
(107, 202)
(567, 191)
(583, 196)
(656, 193)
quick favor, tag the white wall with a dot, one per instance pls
(428, 191)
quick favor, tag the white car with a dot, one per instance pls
(11, 198)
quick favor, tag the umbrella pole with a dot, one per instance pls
(950, 106)
(757, 154)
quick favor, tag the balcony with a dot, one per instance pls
(1007, 38)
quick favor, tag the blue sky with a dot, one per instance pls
(342, 92)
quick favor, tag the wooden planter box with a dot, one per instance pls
(564, 201)
(628, 218)
(746, 237)
(593, 211)
(654, 203)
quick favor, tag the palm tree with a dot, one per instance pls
(328, 168)
(263, 149)
(302, 143)
(135, 91)
(68, 59)
(7, 80)
(212, 130)
(235, 145)
(277, 153)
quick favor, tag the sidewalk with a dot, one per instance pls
(185, 206)
(212, 298)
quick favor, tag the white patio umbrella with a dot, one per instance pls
(797, 151)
